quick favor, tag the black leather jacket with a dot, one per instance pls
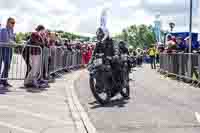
(106, 47)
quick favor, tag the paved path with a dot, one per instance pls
(157, 105)
(40, 112)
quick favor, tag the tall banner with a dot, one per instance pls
(157, 28)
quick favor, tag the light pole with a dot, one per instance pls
(190, 27)
(171, 25)
(190, 42)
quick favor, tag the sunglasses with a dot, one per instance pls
(12, 23)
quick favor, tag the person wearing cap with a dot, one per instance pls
(7, 36)
(193, 48)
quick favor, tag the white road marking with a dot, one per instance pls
(80, 110)
(197, 115)
(38, 115)
(16, 127)
(74, 112)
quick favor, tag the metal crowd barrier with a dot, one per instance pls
(178, 64)
(62, 59)
(16, 61)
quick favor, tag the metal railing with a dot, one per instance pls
(178, 64)
(18, 61)
(15, 61)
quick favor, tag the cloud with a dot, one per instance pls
(130, 3)
(83, 15)
(160, 2)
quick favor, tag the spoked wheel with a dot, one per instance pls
(102, 95)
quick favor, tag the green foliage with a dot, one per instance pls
(20, 37)
(138, 36)
(72, 36)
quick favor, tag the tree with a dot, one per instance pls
(138, 36)
(21, 37)
(18, 38)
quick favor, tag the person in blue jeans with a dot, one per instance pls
(6, 37)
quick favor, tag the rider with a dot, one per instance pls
(123, 50)
(105, 42)
(105, 46)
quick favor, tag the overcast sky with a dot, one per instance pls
(82, 16)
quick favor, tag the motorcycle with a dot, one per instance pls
(103, 82)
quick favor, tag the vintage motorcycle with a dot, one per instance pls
(106, 80)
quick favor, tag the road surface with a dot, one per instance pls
(157, 105)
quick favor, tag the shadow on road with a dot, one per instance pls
(4, 91)
(117, 102)
(33, 90)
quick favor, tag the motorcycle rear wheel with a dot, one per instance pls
(125, 92)
(96, 93)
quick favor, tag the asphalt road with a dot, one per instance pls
(157, 105)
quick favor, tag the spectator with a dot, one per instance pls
(152, 55)
(35, 57)
(171, 43)
(193, 62)
(45, 60)
(26, 56)
(52, 46)
(187, 43)
(180, 45)
(88, 54)
(139, 53)
(6, 36)
(168, 43)
(84, 54)
(157, 53)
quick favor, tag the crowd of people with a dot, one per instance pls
(38, 53)
(172, 45)
(179, 44)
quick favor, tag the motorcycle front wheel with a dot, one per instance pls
(97, 92)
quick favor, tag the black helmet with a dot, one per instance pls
(100, 34)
